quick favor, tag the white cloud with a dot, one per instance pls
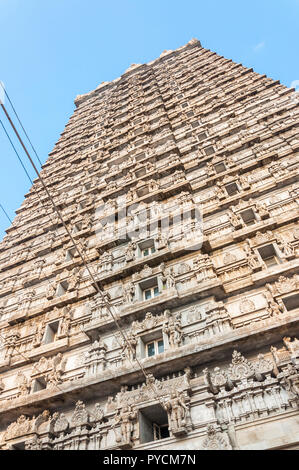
(259, 46)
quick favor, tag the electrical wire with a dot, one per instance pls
(16, 152)
(95, 283)
(5, 213)
(19, 120)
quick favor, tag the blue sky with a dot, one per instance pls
(52, 50)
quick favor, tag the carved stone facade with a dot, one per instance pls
(178, 182)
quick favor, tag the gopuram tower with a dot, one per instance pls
(169, 319)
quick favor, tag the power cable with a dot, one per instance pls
(95, 283)
(19, 120)
(5, 213)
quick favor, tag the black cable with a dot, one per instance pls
(81, 255)
(19, 158)
(5, 213)
(6, 94)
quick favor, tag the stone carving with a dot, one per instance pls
(261, 238)
(252, 258)
(64, 327)
(51, 290)
(74, 279)
(95, 359)
(204, 268)
(106, 262)
(167, 276)
(130, 251)
(263, 367)
(129, 347)
(220, 191)
(292, 346)
(234, 220)
(287, 249)
(183, 268)
(126, 417)
(172, 329)
(262, 210)
(229, 258)
(23, 426)
(290, 380)
(217, 319)
(10, 343)
(275, 308)
(247, 305)
(129, 293)
(178, 413)
(97, 415)
(23, 384)
(80, 416)
(59, 422)
(34, 444)
(284, 285)
(2, 386)
(39, 334)
(51, 370)
(161, 240)
(185, 122)
(240, 367)
(98, 305)
(149, 322)
(215, 440)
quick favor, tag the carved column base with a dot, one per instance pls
(125, 445)
(179, 432)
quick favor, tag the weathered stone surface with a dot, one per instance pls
(179, 184)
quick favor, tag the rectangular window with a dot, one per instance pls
(148, 251)
(231, 189)
(153, 424)
(18, 446)
(269, 255)
(51, 332)
(151, 292)
(219, 167)
(147, 247)
(209, 151)
(291, 302)
(61, 288)
(155, 347)
(248, 217)
(39, 384)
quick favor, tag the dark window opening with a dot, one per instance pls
(153, 422)
(248, 217)
(61, 288)
(209, 151)
(269, 255)
(39, 384)
(147, 248)
(232, 189)
(51, 332)
(202, 136)
(18, 446)
(291, 302)
(70, 254)
(219, 167)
